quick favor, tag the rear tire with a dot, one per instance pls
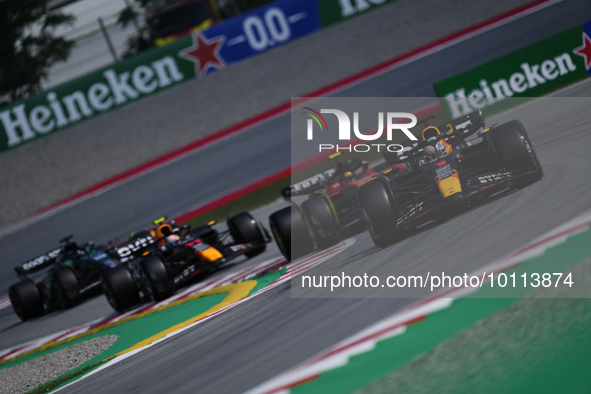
(26, 300)
(66, 287)
(515, 152)
(321, 220)
(118, 286)
(378, 213)
(245, 229)
(287, 226)
(155, 278)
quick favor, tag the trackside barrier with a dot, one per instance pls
(150, 72)
(532, 71)
(180, 61)
(323, 91)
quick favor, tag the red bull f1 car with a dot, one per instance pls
(157, 261)
(445, 174)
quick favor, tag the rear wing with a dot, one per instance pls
(467, 124)
(39, 262)
(308, 185)
(133, 248)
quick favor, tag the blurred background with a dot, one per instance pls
(116, 112)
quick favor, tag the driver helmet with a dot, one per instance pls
(172, 239)
(347, 177)
(71, 247)
(430, 153)
(443, 148)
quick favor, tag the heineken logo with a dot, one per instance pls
(22, 122)
(585, 51)
(462, 102)
(205, 53)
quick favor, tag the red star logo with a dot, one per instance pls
(585, 50)
(205, 53)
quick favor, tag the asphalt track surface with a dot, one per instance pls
(273, 332)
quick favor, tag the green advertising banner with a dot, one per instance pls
(160, 68)
(333, 11)
(532, 71)
(203, 52)
(95, 93)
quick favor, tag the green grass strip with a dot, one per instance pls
(532, 346)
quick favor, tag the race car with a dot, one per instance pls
(73, 274)
(445, 174)
(330, 210)
(166, 257)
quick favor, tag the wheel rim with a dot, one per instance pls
(317, 227)
(147, 284)
(368, 222)
(60, 296)
(108, 294)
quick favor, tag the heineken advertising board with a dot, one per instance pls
(93, 94)
(187, 58)
(157, 69)
(533, 71)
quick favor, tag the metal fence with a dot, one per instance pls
(92, 49)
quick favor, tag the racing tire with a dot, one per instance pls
(378, 213)
(154, 278)
(290, 233)
(321, 219)
(515, 151)
(66, 287)
(118, 287)
(26, 300)
(245, 229)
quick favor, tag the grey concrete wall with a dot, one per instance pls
(53, 168)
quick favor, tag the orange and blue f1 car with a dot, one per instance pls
(165, 257)
(450, 169)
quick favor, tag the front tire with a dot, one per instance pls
(290, 233)
(26, 300)
(515, 152)
(118, 287)
(155, 278)
(245, 229)
(379, 213)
